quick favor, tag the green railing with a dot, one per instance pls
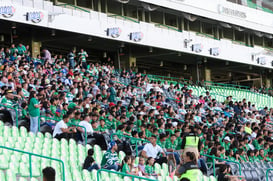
(85, 132)
(73, 6)
(51, 118)
(213, 162)
(131, 139)
(207, 35)
(122, 174)
(266, 173)
(36, 155)
(13, 108)
(123, 17)
(168, 27)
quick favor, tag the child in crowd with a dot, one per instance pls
(171, 165)
(89, 162)
(149, 169)
(141, 167)
(126, 165)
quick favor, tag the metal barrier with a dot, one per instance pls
(123, 174)
(213, 162)
(13, 108)
(51, 118)
(132, 138)
(266, 173)
(41, 156)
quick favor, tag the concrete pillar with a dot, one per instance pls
(267, 82)
(127, 61)
(207, 74)
(36, 45)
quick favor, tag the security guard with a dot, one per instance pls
(191, 143)
(189, 171)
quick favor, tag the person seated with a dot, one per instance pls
(154, 151)
(89, 162)
(126, 165)
(149, 169)
(110, 157)
(61, 129)
(141, 167)
(225, 174)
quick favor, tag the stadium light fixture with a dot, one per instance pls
(185, 67)
(151, 49)
(89, 38)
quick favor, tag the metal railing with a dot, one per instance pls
(123, 17)
(57, 120)
(138, 140)
(266, 173)
(123, 174)
(168, 27)
(36, 155)
(218, 158)
(13, 108)
(73, 6)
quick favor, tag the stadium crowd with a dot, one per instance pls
(67, 92)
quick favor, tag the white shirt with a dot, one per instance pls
(87, 126)
(152, 151)
(57, 129)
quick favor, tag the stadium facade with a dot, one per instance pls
(225, 41)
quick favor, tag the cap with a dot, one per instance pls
(111, 144)
(227, 138)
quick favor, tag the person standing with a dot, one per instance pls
(191, 143)
(111, 93)
(71, 58)
(82, 57)
(34, 111)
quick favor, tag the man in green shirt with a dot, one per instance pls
(110, 158)
(171, 145)
(82, 57)
(34, 112)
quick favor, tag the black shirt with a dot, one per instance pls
(88, 162)
(187, 166)
(221, 177)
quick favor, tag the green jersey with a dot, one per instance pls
(149, 169)
(109, 158)
(33, 111)
(82, 56)
(7, 102)
(125, 168)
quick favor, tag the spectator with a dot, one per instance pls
(225, 174)
(125, 165)
(154, 151)
(34, 111)
(149, 169)
(61, 129)
(49, 174)
(110, 158)
(89, 162)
